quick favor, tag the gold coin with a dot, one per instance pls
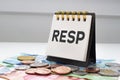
(26, 58)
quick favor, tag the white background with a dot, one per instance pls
(30, 20)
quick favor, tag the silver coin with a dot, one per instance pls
(108, 72)
(73, 68)
(22, 67)
(116, 69)
(113, 64)
(81, 73)
(37, 64)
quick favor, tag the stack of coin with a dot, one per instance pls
(26, 60)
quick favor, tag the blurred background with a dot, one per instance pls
(30, 20)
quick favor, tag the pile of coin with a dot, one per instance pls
(40, 71)
(32, 67)
(46, 71)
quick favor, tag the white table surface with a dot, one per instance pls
(8, 49)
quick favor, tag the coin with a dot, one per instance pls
(55, 65)
(112, 64)
(61, 70)
(37, 64)
(4, 78)
(22, 67)
(108, 72)
(92, 69)
(73, 68)
(116, 69)
(26, 58)
(27, 62)
(81, 73)
(30, 71)
(42, 71)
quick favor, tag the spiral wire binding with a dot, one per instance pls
(67, 14)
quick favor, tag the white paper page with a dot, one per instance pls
(69, 50)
